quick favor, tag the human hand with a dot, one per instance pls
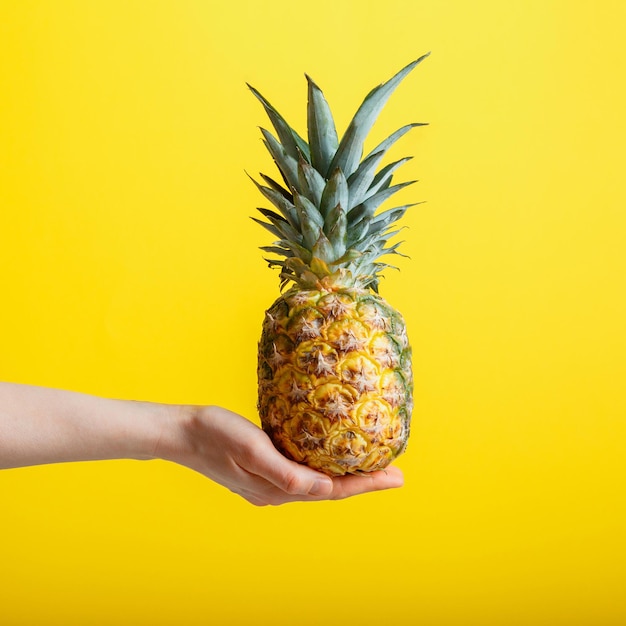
(237, 454)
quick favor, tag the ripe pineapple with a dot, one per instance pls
(334, 368)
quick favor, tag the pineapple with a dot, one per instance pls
(334, 365)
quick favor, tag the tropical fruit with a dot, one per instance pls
(334, 365)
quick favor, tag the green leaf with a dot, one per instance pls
(382, 180)
(310, 230)
(350, 148)
(271, 214)
(298, 250)
(367, 208)
(335, 192)
(389, 169)
(287, 209)
(320, 267)
(335, 227)
(348, 257)
(387, 143)
(284, 230)
(289, 138)
(287, 165)
(306, 273)
(277, 187)
(381, 266)
(273, 229)
(356, 232)
(394, 250)
(386, 218)
(323, 249)
(360, 181)
(298, 266)
(308, 209)
(323, 140)
(277, 250)
(311, 183)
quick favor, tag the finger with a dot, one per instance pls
(292, 478)
(346, 486)
(343, 487)
(260, 492)
(264, 493)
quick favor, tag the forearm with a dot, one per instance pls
(40, 425)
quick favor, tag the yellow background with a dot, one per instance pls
(130, 269)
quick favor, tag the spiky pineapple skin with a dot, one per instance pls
(335, 379)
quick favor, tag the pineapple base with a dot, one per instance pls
(335, 380)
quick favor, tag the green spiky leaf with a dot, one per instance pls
(287, 165)
(273, 229)
(383, 146)
(307, 210)
(383, 179)
(361, 180)
(310, 230)
(287, 209)
(335, 192)
(350, 147)
(322, 134)
(311, 183)
(386, 218)
(335, 227)
(323, 249)
(289, 138)
(277, 250)
(277, 187)
(320, 267)
(366, 209)
(326, 217)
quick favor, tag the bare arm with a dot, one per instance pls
(40, 425)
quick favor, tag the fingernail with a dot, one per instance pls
(321, 487)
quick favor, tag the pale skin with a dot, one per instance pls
(40, 425)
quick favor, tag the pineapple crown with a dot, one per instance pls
(327, 230)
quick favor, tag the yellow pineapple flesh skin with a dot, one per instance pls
(335, 381)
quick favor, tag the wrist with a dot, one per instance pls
(118, 429)
(170, 442)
